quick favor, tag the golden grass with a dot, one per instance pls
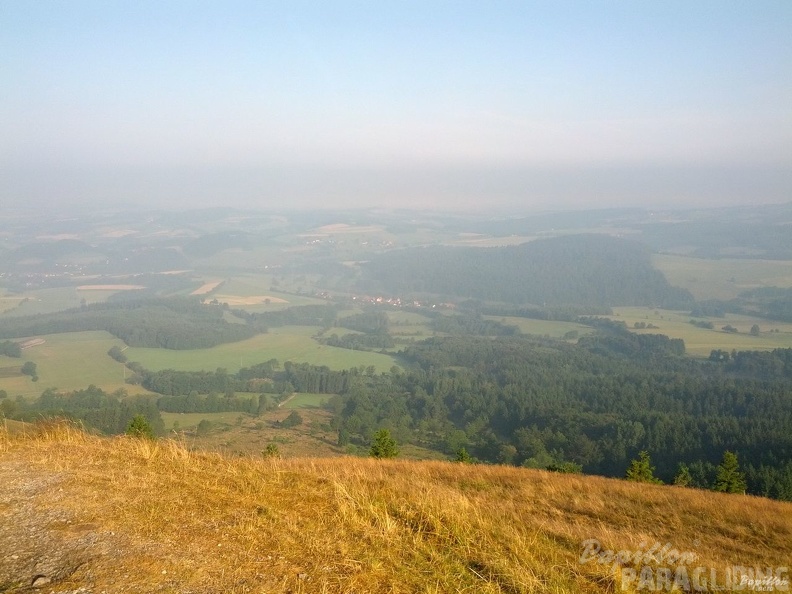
(202, 522)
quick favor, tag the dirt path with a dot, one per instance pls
(293, 394)
(40, 544)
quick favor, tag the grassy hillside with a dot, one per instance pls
(123, 515)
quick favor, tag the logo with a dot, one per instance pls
(660, 567)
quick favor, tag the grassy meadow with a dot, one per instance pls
(168, 519)
(68, 361)
(724, 278)
(289, 343)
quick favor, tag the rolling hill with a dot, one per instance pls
(89, 514)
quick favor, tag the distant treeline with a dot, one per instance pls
(587, 270)
(173, 323)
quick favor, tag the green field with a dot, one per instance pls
(542, 327)
(41, 301)
(68, 361)
(723, 279)
(290, 343)
(701, 341)
(241, 286)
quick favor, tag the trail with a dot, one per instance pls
(292, 395)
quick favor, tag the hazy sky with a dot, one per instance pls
(436, 104)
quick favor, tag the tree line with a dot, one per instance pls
(172, 323)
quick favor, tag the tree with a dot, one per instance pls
(755, 330)
(292, 420)
(566, 468)
(463, 456)
(204, 427)
(683, 478)
(383, 445)
(140, 427)
(729, 479)
(29, 368)
(641, 470)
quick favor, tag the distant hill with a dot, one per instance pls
(590, 270)
(131, 515)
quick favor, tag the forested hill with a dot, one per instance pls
(572, 270)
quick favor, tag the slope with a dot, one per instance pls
(127, 515)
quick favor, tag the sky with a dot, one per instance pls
(432, 104)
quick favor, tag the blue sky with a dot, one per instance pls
(511, 105)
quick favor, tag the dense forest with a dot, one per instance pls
(541, 403)
(587, 270)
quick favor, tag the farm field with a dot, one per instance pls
(542, 327)
(723, 279)
(68, 361)
(290, 343)
(701, 341)
(40, 301)
(249, 292)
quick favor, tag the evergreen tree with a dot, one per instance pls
(641, 470)
(463, 456)
(140, 427)
(383, 446)
(729, 478)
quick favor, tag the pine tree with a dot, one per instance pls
(641, 470)
(383, 446)
(729, 478)
(140, 427)
(463, 456)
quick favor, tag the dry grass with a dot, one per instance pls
(201, 522)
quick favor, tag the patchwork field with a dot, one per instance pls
(290, 343)
(68, 361)
(701, 341)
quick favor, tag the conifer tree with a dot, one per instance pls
(641, 470)
(729, 478)
(383, 446)
(140, 427)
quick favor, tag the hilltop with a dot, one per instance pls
(89, 514)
